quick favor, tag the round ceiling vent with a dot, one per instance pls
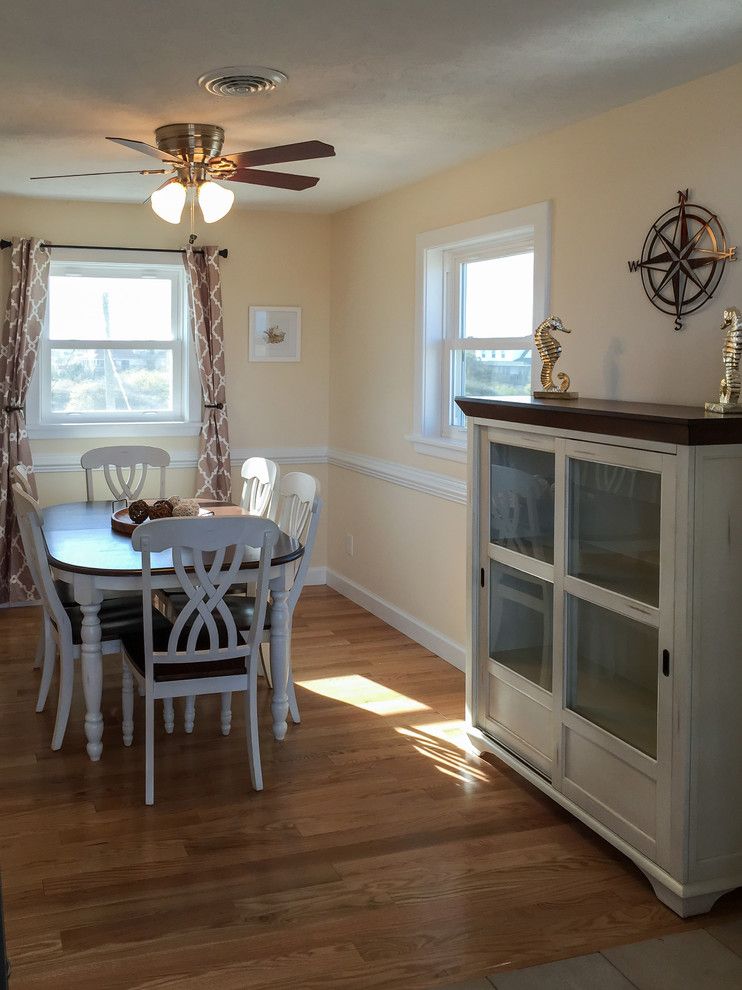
(241, 80)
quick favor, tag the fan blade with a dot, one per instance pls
(145, 149)
(281, 180)
(82, 175)
(300, 152)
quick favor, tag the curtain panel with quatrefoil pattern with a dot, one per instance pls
(24, 319)
(205, 299)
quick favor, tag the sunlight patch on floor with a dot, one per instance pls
(448, 744)
(359, 691)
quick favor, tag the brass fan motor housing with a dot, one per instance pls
(196, 143)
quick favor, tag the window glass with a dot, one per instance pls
(115, 346)
(88, 380)
(497, 297)
(95, 308)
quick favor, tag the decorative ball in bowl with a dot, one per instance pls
(126, 520)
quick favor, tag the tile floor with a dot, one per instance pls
(697, 960)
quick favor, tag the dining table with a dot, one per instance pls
(87, 554)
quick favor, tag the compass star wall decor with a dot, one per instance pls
(683, 259)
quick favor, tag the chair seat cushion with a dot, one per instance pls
(118, 616)
(133, 645)
(242, 608)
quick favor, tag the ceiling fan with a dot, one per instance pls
(192, 153)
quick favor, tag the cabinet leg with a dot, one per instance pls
(686, 906)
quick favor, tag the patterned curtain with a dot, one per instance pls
(24, 319)
(205, 296)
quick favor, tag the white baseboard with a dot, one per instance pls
(422, 633)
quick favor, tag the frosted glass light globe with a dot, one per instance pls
(215, 201)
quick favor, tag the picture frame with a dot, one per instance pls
(274, 333)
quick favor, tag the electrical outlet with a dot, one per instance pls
(349, 544)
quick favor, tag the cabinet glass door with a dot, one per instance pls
(520, 633)
(614, 528)
(522, 500)
(611, 664)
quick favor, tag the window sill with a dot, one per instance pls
(71, 431)
(449, 450)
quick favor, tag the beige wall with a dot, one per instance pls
(353, 274)
(274, 258)
(607, 179)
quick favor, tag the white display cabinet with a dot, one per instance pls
(605, 655)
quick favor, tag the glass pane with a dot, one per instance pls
(90, 308)
(614, 528)
(93, 380)
(612, 673)
(489, 373)
(521, 623)
(522, 500)
(497, 297)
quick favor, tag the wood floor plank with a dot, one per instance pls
(380, 855)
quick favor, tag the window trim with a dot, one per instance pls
(43, 424)
(531, 224)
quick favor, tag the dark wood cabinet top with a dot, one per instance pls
(685, 425)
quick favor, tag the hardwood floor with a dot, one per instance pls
(380, 854)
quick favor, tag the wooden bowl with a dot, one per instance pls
(122, 523)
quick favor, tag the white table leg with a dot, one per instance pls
(280, 660)
(89, 598)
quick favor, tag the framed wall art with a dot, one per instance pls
(275, 333)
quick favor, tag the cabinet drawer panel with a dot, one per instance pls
(520, 722)
(613, 791)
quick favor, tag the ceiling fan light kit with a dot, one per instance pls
(215, 201)
(168, 201)
(193, 155)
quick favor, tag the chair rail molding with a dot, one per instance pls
(432, 483)
(429, 482)
(70, 461)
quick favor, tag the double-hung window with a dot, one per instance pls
(114, 355)
(482, 287)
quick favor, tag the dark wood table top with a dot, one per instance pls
(79, 538)
(684, 425)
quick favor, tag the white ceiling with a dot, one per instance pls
(402, 88)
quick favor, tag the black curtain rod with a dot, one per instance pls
(224, 253)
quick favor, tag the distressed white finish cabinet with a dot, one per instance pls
(605, 654)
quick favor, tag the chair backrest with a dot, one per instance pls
(310, 536)
(130, 465)
(20, 474)
(259, 476)
(292, 503)
(207, 555)
(34, 547)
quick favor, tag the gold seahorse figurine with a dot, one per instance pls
(549, 350)
(731, 383)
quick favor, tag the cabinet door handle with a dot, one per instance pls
(481, 576)
(666, 663)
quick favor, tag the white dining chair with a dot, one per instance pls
(63, 623)
(259, 476)
(19, 474)
(125, 469)
(296, 510)
(203, 651)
